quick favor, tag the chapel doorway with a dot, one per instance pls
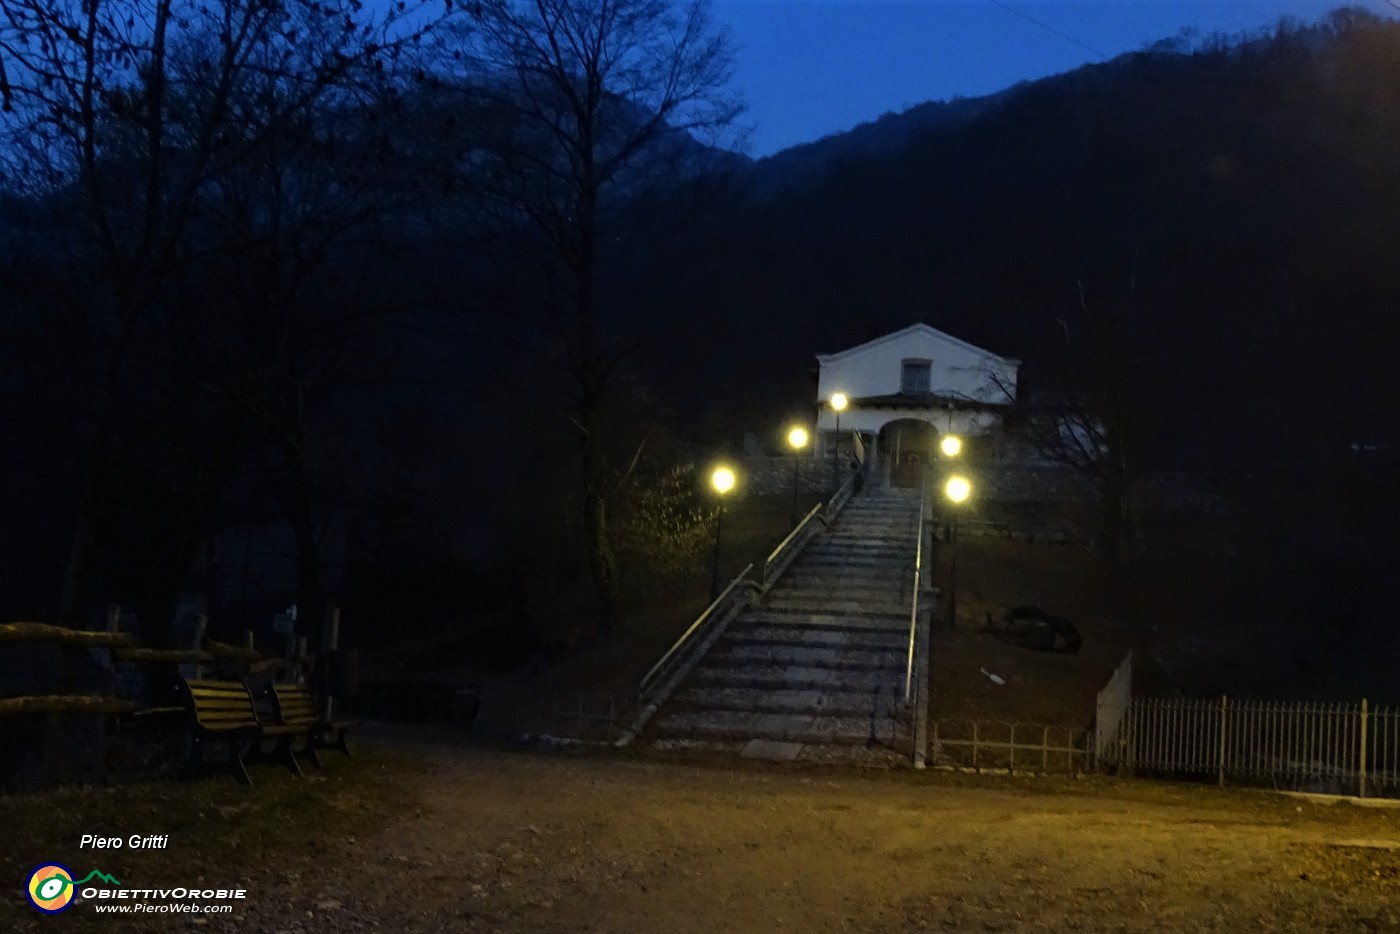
(907, 446)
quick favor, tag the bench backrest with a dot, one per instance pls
(222, 704)
(295, 705)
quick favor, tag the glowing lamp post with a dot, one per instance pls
(838, 405)
(797, 440)
(957, 489)
(951, 446)
(722, 479)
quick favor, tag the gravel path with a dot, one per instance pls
(538, 843)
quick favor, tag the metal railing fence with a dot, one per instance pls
(838, 499)
(914, 602)
(586, 717)
(790, 546)
(1338, 748)
(1001, 745)
(735, 591)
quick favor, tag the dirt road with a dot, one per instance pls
(517, 843)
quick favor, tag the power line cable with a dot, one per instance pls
(1051, 29)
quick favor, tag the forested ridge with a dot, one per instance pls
(411, 339)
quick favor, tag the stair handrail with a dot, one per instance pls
(813, 515)
(838, 499)
(914, 604)
(711, 612)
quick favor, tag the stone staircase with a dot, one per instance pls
(821, 659)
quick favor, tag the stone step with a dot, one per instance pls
(880, 703)
(801, 575)
(875, 614)
(837, 607)
(836, 543)
(892, 514)
(866, 554)
(796, 677)
(838, 551)
(839, 579)
(831, 603)
(816, 637)
(828, 556)
(826, 559)
(866, 557)
(817, 577)
(877, 522)
(779, 617)
(883, 517)
(882, 504)
(876, 593)
(793, 728)
(843, 579)
(883, 538)
(740, 656)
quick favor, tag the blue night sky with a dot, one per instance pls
(808, 68)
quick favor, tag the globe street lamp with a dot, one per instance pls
(951, 446)
(957, 489)
(722, 479)
(838, 405)
(797, 440)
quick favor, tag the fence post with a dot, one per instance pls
(1223, 709)
(1361, 771)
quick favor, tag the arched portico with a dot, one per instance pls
(906, 445)
(899, 436)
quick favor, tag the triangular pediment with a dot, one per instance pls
(915, 331)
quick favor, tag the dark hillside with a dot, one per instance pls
(1236, 207)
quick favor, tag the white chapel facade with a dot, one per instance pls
(915, 377)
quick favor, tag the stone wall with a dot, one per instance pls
(765, 475)
(1008, 483)
(768, 475)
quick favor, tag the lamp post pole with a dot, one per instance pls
(838, 403)
(722, 479)
(714, 570)
(953, 582)
(797, 440)
(957, 489)
(796, 480)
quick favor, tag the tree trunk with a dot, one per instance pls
(93, 499)
(602, 570)
(602, 567)
(311, 596)
(86, 535)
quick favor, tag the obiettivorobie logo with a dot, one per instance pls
(51, 887)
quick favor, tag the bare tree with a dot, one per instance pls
(123, 113)
(1082, 418)
(589, 100)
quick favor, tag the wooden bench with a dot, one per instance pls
(223, 711)
(296, 706)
